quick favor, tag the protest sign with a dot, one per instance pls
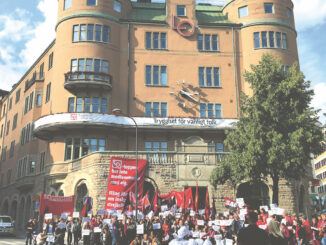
(86, 232)
(48, 216)
(56, 204)
(50, 238)
(97, 230)
(75, 215)
(156, 226)
(164, 208)
(201, 211)
(140, 229)
(200, 222)
(106, 221)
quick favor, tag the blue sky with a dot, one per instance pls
(27, 28)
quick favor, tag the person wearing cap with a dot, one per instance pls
(252, 235)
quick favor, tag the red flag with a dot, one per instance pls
(207, 206)
(196, 198)
(155, 202)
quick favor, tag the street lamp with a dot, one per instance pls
(117, 112)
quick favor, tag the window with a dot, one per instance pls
(1, 132)
(210, 110)
(87, 104)
(156, 146)
(215, 147)
(181, 10)
(78, 147)
(26, 105)
(91, 32)
(4, 153)
(8, 127)
(42, 161)
(50, 60)
(207, 42)
(67, 4)
(42, 70)
(117, 6)
(269, 8)
(155, 40)
(156, 75)
(156, 109)
(256, 40)
(91, 2)
(38, 101)
(48, 92)
(31, 99)
(12, 148)
(17, 96)
(209, 76)
(10, 103)
(264, 39)
(270, 40)
(243, 11)
(14, 122)
(289, 13)
(31, 167)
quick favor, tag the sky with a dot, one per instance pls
(27, 28)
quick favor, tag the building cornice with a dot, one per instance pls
(269, 22)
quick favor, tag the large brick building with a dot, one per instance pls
(175, 67)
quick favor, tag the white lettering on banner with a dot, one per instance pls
(57, 198)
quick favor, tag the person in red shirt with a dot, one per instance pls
(307, 227)
(165, 228)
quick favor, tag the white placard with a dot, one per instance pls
(216, 228)
(86, 232)
(140, 229)
(262, 227)
(166, 213)
(195, 234)
(97, 230)
(201, 211)
(120, 216)
(273, 206)
(156, 226)
(90, 212)
(50, 238)
(48, 216)
(150, 214)
(243, 211)
(240, 202)
(167, 237)
(200, 222)
(160, 214)
(228, 242)
(264, 207)
(218, 237)
(86, 219)
(192, 213)
(106, 221)
(225, 214)
(178, 215)
(112, 211)
(279, 211)
(75, 215)
(164, 208)
(140, 215)
(210, 223)
(242, 216)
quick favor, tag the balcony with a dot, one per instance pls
(80, 80)
(37, 77)
(25, 183)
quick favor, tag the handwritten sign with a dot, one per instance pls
(97, 230)
(75, 215)
(140, 229)
(106, 221)
(195, 234)
(50, 239)
(86, 232)
(48, 216)
(201, 211)
(164, 208)
(200, 222)
(156, 226)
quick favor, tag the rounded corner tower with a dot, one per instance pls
(267, 27)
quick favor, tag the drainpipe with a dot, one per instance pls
(235, 74)
(128, 70)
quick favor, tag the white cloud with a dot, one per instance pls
(319, 100)
(309, 13)
(18, 28)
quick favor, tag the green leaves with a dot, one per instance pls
(277, 130)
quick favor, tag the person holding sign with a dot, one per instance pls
(106, 238)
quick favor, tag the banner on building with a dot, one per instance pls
(122, 180)
(56, 204)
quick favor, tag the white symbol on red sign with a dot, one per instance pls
(117, 164)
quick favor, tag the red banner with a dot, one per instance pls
(56, 204)
(181, 197)
(122, 181)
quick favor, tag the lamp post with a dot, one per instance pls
(117, 112)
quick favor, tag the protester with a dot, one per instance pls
(275, 234)
(29, 231)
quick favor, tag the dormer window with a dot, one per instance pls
(181, 10)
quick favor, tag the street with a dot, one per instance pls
(8, 240)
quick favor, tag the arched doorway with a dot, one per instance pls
(150, 189)
(13, 210)
(80, 193)
(21, 214)
(28, 209)
(254, 195)
(5, 208)
(301, 199)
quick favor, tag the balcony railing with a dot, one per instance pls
(89, 78)
(37, 77)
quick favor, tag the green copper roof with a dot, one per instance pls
(208, 8)
(148, 12)
(207, 17)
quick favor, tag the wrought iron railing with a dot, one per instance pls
(87, 76)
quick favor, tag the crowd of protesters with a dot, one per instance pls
(258, 227)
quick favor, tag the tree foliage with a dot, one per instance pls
(277, 129)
